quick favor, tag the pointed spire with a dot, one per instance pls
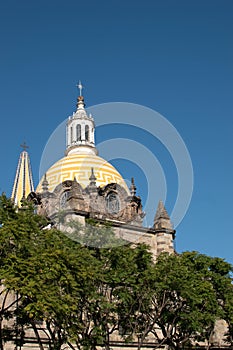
(133, 187)
(92, 185)
(45, 184)
(75, 185)
(162, 219)
(76, 189)
(92, 178)
(23, 183)
(164, 230)
(161, 212)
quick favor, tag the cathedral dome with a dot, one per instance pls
(79, 166)
(81, 159)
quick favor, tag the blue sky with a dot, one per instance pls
(175, 57)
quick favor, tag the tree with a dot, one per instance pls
(86, 288)
(185, 298)
(223, 286)
(120, 270)
(8, 299)
(77, 291)
(228, 312)
(45, 269)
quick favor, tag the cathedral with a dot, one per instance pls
(82, 186)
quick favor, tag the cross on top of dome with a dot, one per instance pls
(24, 146)
(80, 100)
(80, 87)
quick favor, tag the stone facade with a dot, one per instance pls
(109, 204)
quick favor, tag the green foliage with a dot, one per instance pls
(188, 288)
(93, 235)
(44, 267)
(86, 284)
(119, 269)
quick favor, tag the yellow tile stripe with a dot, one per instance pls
(79, 166)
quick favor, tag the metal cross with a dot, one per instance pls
(24, 146)
(80, 87)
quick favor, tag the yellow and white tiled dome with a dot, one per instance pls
(79, 166)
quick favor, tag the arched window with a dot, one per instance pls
(63, 199)
(71, 135)
(112, 203)
(78, 131)
(86, 133)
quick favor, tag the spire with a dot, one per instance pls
(164, 230)
(92, 188)
(161, 212)
(23, 183)
(76, 190)
(45, 184)
(162, 219)
(92, 178)
(132, 187)
(80, 129)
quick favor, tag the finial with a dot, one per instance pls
(132, 187)
(161, 212)
(162, 219)
(80, 87)
(80, 100)
(45, 184)
(92, 178)
(92, 188)
(24, 146)
(75, 185)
